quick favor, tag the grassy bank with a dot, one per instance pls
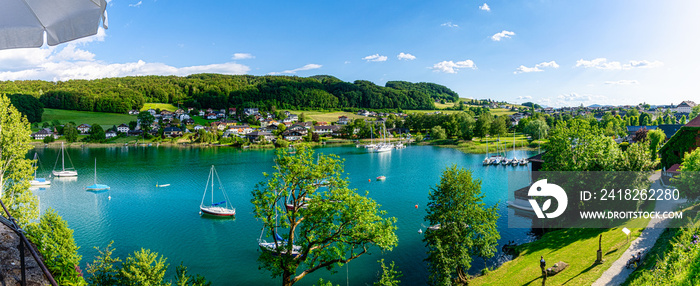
(482, 146)
(577, 247)
(162, 106)
(674, 259)
(106, 120)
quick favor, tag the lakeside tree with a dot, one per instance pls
(438, 133)
(464, 227)
(70, 132)
(332, 225)
(103, 270)
(143, 268)
(389, 276)
(537, 129)
(15, 170)
(145, 119)
(97, 134)
(499, 126)
(483, 125)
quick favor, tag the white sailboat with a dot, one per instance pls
(515, 160)
(38, 182)
(487, 161)
(69, 172)
(223, 208)
(382, 146)
(96, 187)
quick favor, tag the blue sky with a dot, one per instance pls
(556, 53)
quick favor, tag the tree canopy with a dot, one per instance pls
(331, 224)
(217, 91)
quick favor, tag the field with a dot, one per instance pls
(576, 246)
(325, 116)
(106, 120)
(496, 111)
(162, 106)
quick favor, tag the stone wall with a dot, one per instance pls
(10, 266)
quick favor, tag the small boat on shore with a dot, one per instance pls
(162, 186)
(381, 178)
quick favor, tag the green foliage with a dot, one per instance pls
(118, 95)
(71, 133)
(55, 242)
(466, 227)
(437, 133)
(680, 143)
(49, 139)
(694, 113)
(27, 105)
(329, 233)
(656, 137)
(679, 264)
(499, 126)
(102, 270)
(689, 179)
(389, 275)
(144, 268)
(537, 129)
(97, 134)
(15, 169)
(145, 118)
(483, 125)
(182, 279)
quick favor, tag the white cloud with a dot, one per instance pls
(346, 62)
(70, 62)
(403, 56)
(242, 56)
(537, 67)
(304, 68)
(449, 25)
(604, 64)
(503, 34)
(136, 5)
(452, 67)
(525, 97)
(375, 58)
(485, 7)
(622, 82)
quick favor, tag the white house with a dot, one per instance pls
(123, 128)
(343, 120)
(43, 133)
(111, 134)
(685, 107)
(198, 127)
(84, 128)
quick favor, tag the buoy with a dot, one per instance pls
(110, 197)
(369, 180)
(416, 206)
(200, 213)
(420, 230)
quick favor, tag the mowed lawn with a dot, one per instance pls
(324, 116)
(106, 120)
(162, 106)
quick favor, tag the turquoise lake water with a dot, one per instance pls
(166, 220)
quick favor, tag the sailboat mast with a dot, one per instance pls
(63, 157)
(95, 181)
(212, 185)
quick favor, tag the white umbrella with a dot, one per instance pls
(23, 22)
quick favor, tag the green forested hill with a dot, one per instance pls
(220, 91)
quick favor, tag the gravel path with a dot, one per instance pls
(617, 273)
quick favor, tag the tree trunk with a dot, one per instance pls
(287, 279)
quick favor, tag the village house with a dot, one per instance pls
(198, 127)
(83, 128)
(179, 112)
(231, 112)
(306, 125)
(172, 131)
(292, 135)
(43, 133)
(326, 130)
(210, 116)
(133, 112)
(201, 112)
(188, 121)
(257, 135)
(110, 134)
(152, 111)
(135, 133)
(343, 120)
(685, 107)
(251, 111)
(123, 128)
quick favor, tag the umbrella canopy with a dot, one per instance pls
(23, 22)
